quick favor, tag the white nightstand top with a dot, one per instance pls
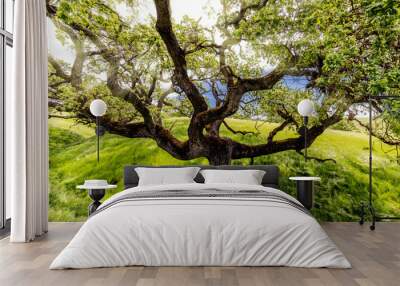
(87, 187)
(305, 178)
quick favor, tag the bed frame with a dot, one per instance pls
(271, 177)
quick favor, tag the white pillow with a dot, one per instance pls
(166, 176)
(247, 177)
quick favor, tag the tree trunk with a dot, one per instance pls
(220, 160)
(219, 151)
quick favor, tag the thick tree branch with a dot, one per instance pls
(247, 151)
(276, 130)
(55, 102)
(77, 67)
(75, 76)
(59, 70)
(160, 135)
(151, 89)
(243, 11)
(262, 83)
(162, 100)
(50, 8)
(130, 130)
(181, 78)
(286, 115)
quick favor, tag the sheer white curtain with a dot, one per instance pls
(26, 124)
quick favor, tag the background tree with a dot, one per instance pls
(145, 70)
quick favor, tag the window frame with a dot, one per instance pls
(6, 39)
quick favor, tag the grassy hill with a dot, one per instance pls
(344, 184)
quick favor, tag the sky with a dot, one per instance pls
(199, 10)
(56, 49)
(195, 9)
(203, 10)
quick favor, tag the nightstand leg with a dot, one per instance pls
(93, 207)
(305, 193)
(96, 195)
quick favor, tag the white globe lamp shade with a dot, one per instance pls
(98, 107)
(306, 108)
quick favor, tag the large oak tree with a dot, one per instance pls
(145, 69)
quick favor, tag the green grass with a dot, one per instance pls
(343, 185)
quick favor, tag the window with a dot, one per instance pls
(9, 16)
(6, 44)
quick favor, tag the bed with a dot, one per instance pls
(198, 224)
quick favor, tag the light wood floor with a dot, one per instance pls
(375, 257)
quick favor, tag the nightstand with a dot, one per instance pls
(96, 192)
(305, 190)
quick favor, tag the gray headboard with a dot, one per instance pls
(271, 178)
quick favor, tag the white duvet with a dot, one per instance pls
(203, 232)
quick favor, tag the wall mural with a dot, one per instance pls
(218, 82)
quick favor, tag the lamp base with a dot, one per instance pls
(373, 215)
(96, 195)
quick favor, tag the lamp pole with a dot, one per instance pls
(370, 148)
(98, 138)
(305, 120)
(370, 207)
(306, 109)
(98, 108)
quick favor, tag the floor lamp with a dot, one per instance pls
(306, 109)
(370, 205)
(98, 108)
